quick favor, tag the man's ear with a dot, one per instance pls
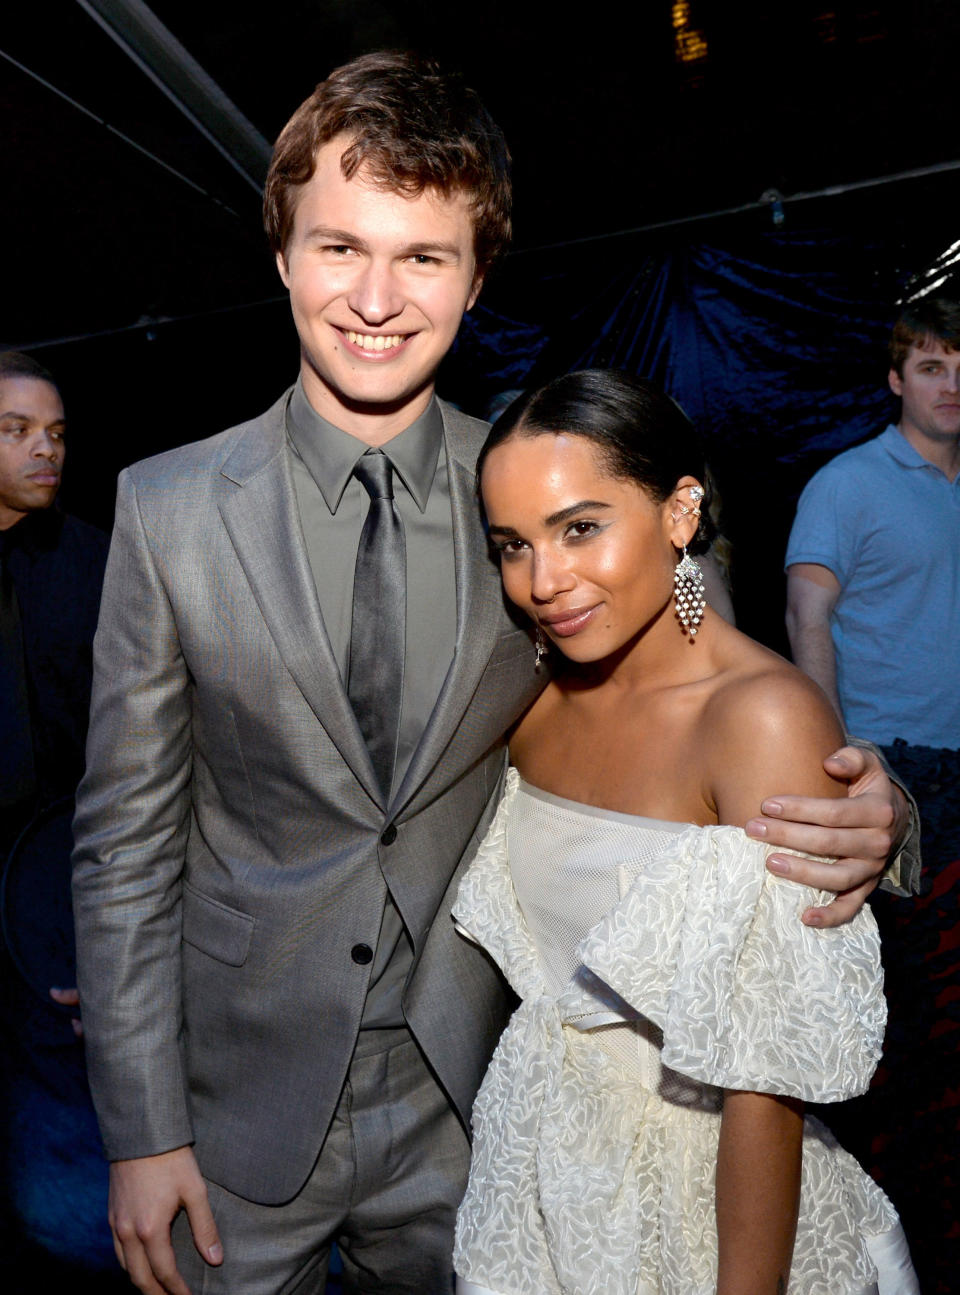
(682, 511)
(896, 382)
(282, 270)
(474, 291)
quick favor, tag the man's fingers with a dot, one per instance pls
(132, 1253)
(118, 1249)
(205, 1235)
(851, 762)
(843, 909)
(145, 1196)
(846, 875)
(163, 1264)
(69, 998)
(854, 879)
(66, 997)
(866, 810)
(869, 845)
(140, 1272)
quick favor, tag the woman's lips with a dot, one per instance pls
(566, 624)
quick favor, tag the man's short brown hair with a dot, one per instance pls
(934, 319)
(412, 127)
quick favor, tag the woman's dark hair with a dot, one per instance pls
(640, 433)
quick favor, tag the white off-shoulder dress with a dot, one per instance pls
(657, 963)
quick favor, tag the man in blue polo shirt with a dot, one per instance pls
(873, 615)
(873, 562)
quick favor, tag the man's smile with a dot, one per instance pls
(375, 341)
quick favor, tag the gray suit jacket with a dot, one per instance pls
(231, 844)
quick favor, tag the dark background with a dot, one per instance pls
(644, 137)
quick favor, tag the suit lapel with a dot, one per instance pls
(260, 513)
(479, 614)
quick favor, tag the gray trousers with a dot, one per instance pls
(385, 1188)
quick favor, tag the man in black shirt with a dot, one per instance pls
(51, 571)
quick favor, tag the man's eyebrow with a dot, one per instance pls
(343, 237)
(435, 245)
(326, 233)
(28, 418)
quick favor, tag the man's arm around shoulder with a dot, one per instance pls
(862, 831)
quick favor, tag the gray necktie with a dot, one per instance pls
(378, 628)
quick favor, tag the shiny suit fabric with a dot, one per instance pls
(233, 849)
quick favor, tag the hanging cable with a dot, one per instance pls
(132, 143)
(765, 203)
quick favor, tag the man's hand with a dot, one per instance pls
(860, 831)
(69, 998)
(145, 1197)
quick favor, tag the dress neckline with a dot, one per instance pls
(595, 811)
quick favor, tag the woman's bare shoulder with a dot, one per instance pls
(767, 729)
(770, 691)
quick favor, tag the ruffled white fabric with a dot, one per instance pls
(594, 1152)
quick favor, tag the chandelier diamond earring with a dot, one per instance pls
(688, 593)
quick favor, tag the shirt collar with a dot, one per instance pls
(899, 448)
(37, 531)
(331, 454)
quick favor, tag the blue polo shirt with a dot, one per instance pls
(887, 524)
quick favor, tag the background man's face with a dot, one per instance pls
(31, 447)
(930, 390)
(378, 285)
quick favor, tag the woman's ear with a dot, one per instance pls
(683, 511)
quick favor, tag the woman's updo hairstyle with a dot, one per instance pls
(640, 433)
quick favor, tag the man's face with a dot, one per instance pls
(930, 391)
(31, 447)
(378, 285)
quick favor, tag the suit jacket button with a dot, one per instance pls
(361, 954)
(389, 835)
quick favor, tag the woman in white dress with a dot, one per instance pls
(640, 1129)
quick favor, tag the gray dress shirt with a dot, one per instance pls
(333, 506)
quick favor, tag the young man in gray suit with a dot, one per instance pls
(305, 669)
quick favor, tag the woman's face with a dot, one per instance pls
(589, 557)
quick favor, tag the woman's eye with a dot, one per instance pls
(580, 529)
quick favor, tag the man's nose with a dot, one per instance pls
(46, 447)
(375, 294)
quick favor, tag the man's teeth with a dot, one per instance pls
(369, 342)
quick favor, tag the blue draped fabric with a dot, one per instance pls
(774, 344)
